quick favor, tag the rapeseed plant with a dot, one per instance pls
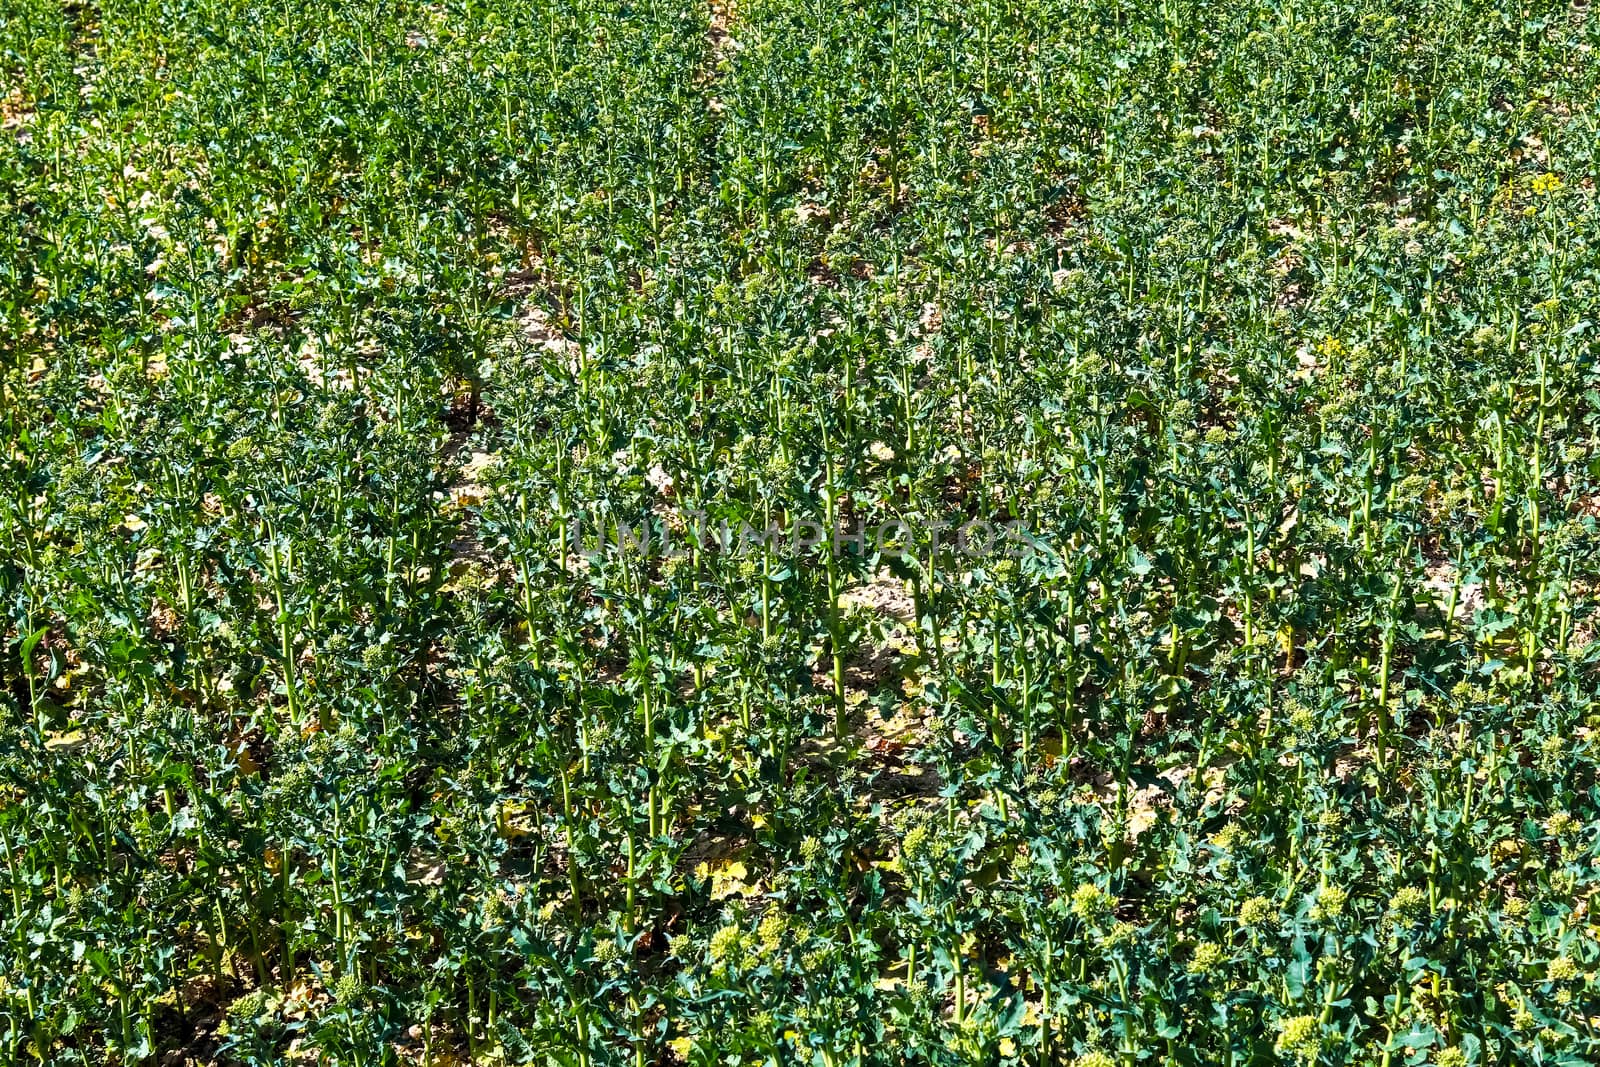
(328, 735)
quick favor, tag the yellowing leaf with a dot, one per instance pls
(509, 823)
(66, 741)
(728, 879)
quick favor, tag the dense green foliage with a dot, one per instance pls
(324, 325)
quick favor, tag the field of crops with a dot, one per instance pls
(873, 531)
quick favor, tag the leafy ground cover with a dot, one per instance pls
(328, 327)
